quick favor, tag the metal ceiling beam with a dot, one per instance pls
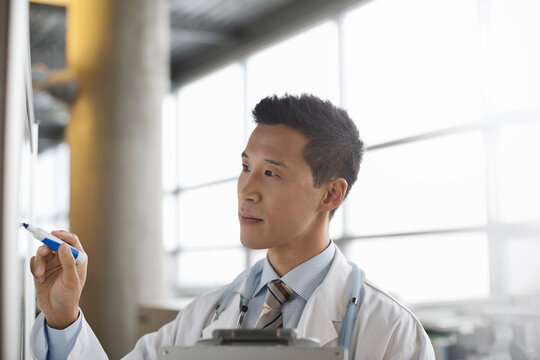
(182, 35)
(284, 21)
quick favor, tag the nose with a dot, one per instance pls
(248, 189)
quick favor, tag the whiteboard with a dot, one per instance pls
(18, 151)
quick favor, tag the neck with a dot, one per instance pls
(285, 258)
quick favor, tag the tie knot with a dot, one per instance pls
(281, 290)
(271, 316)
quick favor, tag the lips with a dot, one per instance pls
(246, 218)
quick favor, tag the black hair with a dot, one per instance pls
(334, 147)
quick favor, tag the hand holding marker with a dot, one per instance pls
(54, 243)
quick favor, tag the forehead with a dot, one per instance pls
(278, 142)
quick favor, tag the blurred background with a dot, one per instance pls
(144, 108)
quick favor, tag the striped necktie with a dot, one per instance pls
(271, 316)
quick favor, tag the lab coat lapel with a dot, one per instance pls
(323, 313)
(228, 318)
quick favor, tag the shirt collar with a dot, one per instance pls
(304, 278)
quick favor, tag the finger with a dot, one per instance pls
(37, 267)
(49, 256)
(69, 238)
(40, 259)
(32, 264)
(67, 260)
(44, 251)
(44, 260)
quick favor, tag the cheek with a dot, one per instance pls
(298, 203)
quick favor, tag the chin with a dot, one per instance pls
(252, 244)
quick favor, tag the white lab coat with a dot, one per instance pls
(384, 328)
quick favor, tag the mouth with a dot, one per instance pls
(247, 218)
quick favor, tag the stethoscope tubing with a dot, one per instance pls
(349, 318)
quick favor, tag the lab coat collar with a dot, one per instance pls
(323, 314)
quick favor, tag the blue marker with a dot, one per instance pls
(54, 243)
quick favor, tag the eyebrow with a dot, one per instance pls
(271, 161)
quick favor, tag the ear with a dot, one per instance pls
(334, 194)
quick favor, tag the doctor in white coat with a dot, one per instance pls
(297, 168)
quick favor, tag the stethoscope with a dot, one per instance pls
(349, 319)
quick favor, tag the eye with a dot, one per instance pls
(245, 168)
(270, 173)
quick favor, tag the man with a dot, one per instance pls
(297, 168)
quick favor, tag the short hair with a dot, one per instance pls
(334, 147)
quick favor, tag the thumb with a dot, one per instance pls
(68, 264)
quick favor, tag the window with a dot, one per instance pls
(213, 108)
(450, 115)
(519, 171)
(203, 132)
(294, 66)
(522, 263)
(438, 183)
(411, 71)
(457, 263)
(513, 52)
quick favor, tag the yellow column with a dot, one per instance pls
(118, 51)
